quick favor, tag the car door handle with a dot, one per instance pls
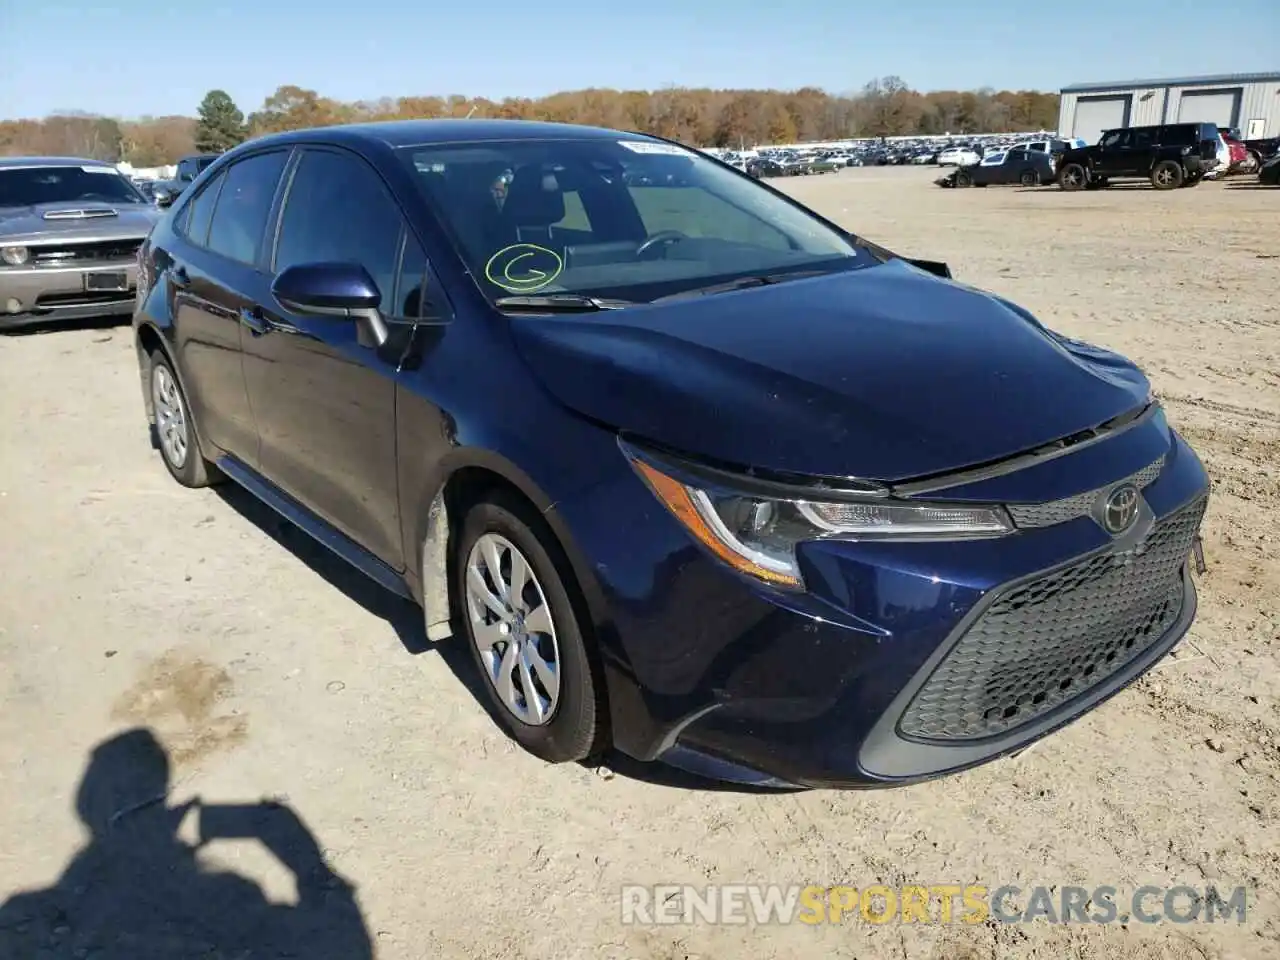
(252, 318)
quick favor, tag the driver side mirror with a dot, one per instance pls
(332, 290)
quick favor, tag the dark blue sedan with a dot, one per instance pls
(695, 473)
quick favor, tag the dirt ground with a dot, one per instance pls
(268, 670)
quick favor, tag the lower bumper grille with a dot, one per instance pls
(1047, 641)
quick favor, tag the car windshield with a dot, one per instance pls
(27, 186)
(625, 219)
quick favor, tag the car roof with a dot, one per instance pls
(408, 133)
(53, 162)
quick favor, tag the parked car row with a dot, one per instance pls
(1169, 156)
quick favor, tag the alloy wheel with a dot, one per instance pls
(171, 416)
(1165, 176)
(512, 628)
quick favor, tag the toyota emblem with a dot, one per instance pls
(1120, 509)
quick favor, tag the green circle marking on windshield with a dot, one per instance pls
(523, 268)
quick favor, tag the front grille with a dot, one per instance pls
(1047, 641)
(72, 253)
(1031, 515)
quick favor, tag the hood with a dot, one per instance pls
(885, 373)
(87, 220)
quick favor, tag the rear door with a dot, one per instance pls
(322, 395)
(212, 273)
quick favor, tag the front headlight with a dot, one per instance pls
(757, 534)
(15, 256)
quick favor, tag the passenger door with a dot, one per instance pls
(1110, 155)
(989, 169)
(324, 398)
(214, 274)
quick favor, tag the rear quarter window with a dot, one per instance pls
(193, 222)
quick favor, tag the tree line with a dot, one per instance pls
(700, 117)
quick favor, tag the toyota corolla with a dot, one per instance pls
(695, 473)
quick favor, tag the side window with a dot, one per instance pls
(1040, 147)
(1110, 140)
(1141, 139)
(240, 219)
(337, 210)
(194, 223)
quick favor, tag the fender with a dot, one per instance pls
(428, 528)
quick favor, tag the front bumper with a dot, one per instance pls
(58, 293)
(901, 661)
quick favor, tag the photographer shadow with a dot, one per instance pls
(137, 890)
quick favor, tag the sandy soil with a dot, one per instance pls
(268, 670)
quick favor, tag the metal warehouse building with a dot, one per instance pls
(1247, 101)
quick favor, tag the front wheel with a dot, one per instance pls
(1166, 175)
(524, 631)
(173, 431)
(964, 178)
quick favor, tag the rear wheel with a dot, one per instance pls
(173, 431)
(1029, 178)
(524, 631)
(1166, 175)
(1073, 176)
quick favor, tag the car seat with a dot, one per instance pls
(534, 204)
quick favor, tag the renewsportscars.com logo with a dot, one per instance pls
(761, 904)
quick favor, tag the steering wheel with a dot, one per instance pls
(661, 237)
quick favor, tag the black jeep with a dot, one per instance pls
(1169, 155)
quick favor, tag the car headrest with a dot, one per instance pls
(534, 199)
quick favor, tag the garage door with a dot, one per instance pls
(1210, 106)
(1095, 114)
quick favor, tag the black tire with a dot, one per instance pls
(1073, 176)
(1029, 178)
(1167, 175)
(577, 726)
(191, 469)
(964, 178)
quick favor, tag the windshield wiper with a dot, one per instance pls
(742, 283)
(562, 303)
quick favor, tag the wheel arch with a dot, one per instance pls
(463, 479)
(148, 338)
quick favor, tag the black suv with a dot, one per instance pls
(1169, 155)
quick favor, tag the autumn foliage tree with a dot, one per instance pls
(702, 117)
